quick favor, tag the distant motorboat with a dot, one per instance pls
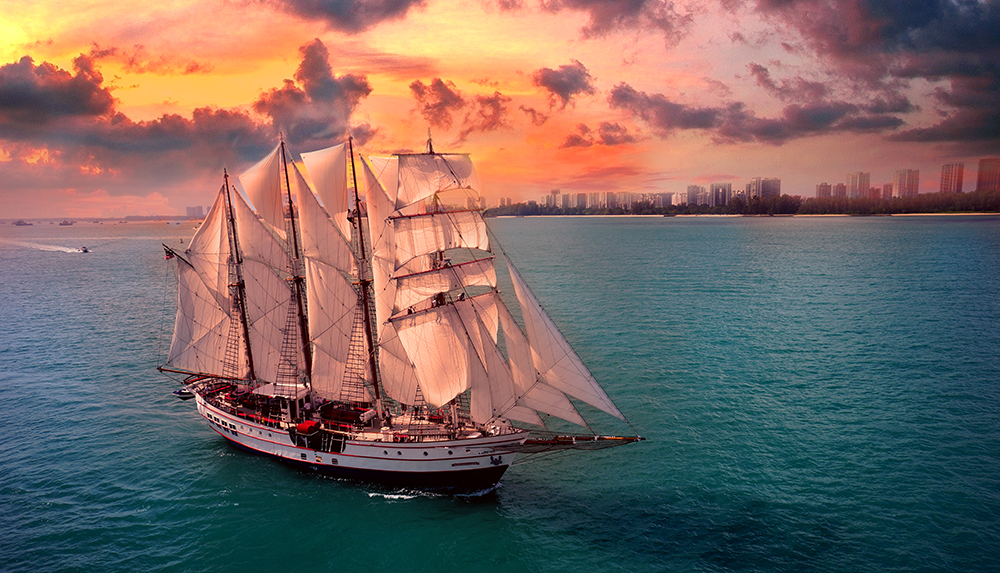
(23, 223)
(66, 223)
(84, 250)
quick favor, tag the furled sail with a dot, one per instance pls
(204, 314)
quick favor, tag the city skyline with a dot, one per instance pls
(106, 110)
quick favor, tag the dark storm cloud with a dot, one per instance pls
(73, 117)
(663, 115)
(735, 123)
(31, 95)
(887, 44)
(320, 109)
(437, 101)
(565, 83)
(795, 89)
(351, 16)
(607, 16)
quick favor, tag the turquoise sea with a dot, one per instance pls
(818, 394)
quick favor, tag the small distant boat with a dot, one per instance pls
(184, 393)
(84, 250)
(66, 223)
(22, 223)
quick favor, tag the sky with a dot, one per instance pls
(111, 108)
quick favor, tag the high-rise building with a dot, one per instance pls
(988, 178)
(823, 190)
(694, 194)
(719, 194)
(195, 212)
(887, 191)
(951, 177)
(906, 183)
(858, 184)
(770, 187)
(840, 190)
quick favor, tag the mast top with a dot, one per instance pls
(430, 144)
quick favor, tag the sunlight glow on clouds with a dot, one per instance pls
(143, 105)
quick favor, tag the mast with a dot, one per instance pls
(240, 286)
(297, 279)
(365, 282)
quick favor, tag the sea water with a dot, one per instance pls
(817, 394)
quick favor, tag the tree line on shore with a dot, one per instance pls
(974, 202)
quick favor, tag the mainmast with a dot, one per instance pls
(240, 286)
(364, 281)
(297, 279)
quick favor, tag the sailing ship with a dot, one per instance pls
(366, 337)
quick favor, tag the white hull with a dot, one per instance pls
(467, 464)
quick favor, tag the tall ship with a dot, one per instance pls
(363, 334)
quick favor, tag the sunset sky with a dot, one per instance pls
(111, 108)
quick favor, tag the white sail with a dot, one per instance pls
(328, 170)
(332, 300)
(204, 315)
(398, 377)
(422, 175)
(496, 393)
(322, 239)
(533, 393)
(552, 355)
(428, 233)
(333, 305)
(436, 345)
(262, 184)
(268, 295)
(418, 287)
(382, 251)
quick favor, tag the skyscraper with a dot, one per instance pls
(770, 187)
(951, 177)
(858, 184)
(823, 190)
(906, 183)
(988, 178)
(694, 194)
(720, 194)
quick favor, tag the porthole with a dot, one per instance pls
(399, 453)
(450, 452)
(385, 453)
